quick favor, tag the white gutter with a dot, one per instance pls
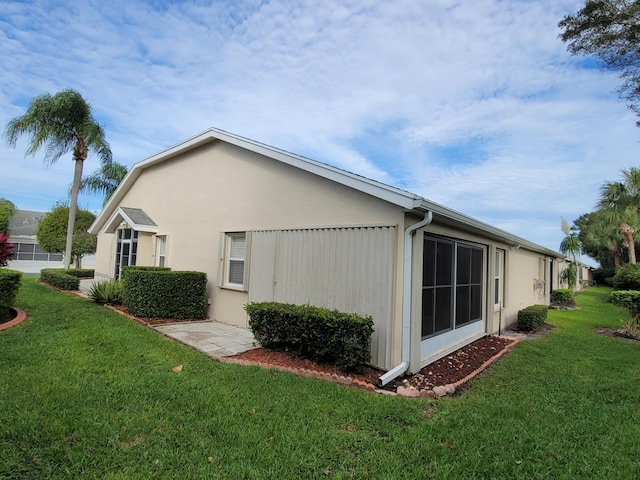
(406, 301)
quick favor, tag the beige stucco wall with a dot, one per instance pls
(527, 283)
(222, 188)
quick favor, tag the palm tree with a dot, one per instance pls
(620, 202)
(61, 123)
(105, 180)
(570, 245)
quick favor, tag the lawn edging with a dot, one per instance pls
(19, 318)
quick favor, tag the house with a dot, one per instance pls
(268, 225)
(29, 257)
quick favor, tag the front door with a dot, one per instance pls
(126, 250)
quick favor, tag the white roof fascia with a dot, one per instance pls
(485, 228)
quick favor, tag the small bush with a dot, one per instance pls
(154, 293)
(532, 317)
(81, 272)
(562, 296)
(312, 332)
(106, 291)
(627, 277)
(60, 278)
(629, 299)
(9, 286)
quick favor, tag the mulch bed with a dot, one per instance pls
(448, 370)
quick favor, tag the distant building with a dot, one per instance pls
(30, 258)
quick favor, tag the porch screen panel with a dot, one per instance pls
(452, 285)
(348, 269)
(437, 285)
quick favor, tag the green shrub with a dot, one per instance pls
(124, 273)
(60, 278)
(125, 270)
(155, 293)
(532, 317)
(106, 291)
(562, 296)
(311, 332)
(9, 286)
(629, 299)
(627, 277)
(81, 272)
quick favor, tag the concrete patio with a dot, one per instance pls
(212, 338)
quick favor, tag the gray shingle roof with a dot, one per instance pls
(138, 216)
(25, 223)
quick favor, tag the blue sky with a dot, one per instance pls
(474, 105)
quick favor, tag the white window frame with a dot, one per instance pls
(161, 250)
(228, 256)
(498, 278)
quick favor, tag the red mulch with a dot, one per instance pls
(449, 369)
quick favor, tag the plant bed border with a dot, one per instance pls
(19, 318)
(410, 392)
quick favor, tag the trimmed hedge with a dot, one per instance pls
(60, 278)
(125, 270)
(532, 317)
(562, 296)
(311, 332)
(629, 299)
(627, 277)
(81, 272)
(9, 286)
(154, 293)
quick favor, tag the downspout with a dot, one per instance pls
(406, 301)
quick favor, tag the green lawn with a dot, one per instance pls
(87, 392)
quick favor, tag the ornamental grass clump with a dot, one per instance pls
(107, 292)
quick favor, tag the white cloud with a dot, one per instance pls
(475, 105)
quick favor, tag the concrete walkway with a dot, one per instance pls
(212, 338)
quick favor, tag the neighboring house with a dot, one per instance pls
(30, 258)
(265, 224)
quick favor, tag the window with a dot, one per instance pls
(127, 249)
(452, 285)
(33, 252)
(236, 252)
(498, 280)
(161, 250)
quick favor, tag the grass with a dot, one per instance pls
(86, 392)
